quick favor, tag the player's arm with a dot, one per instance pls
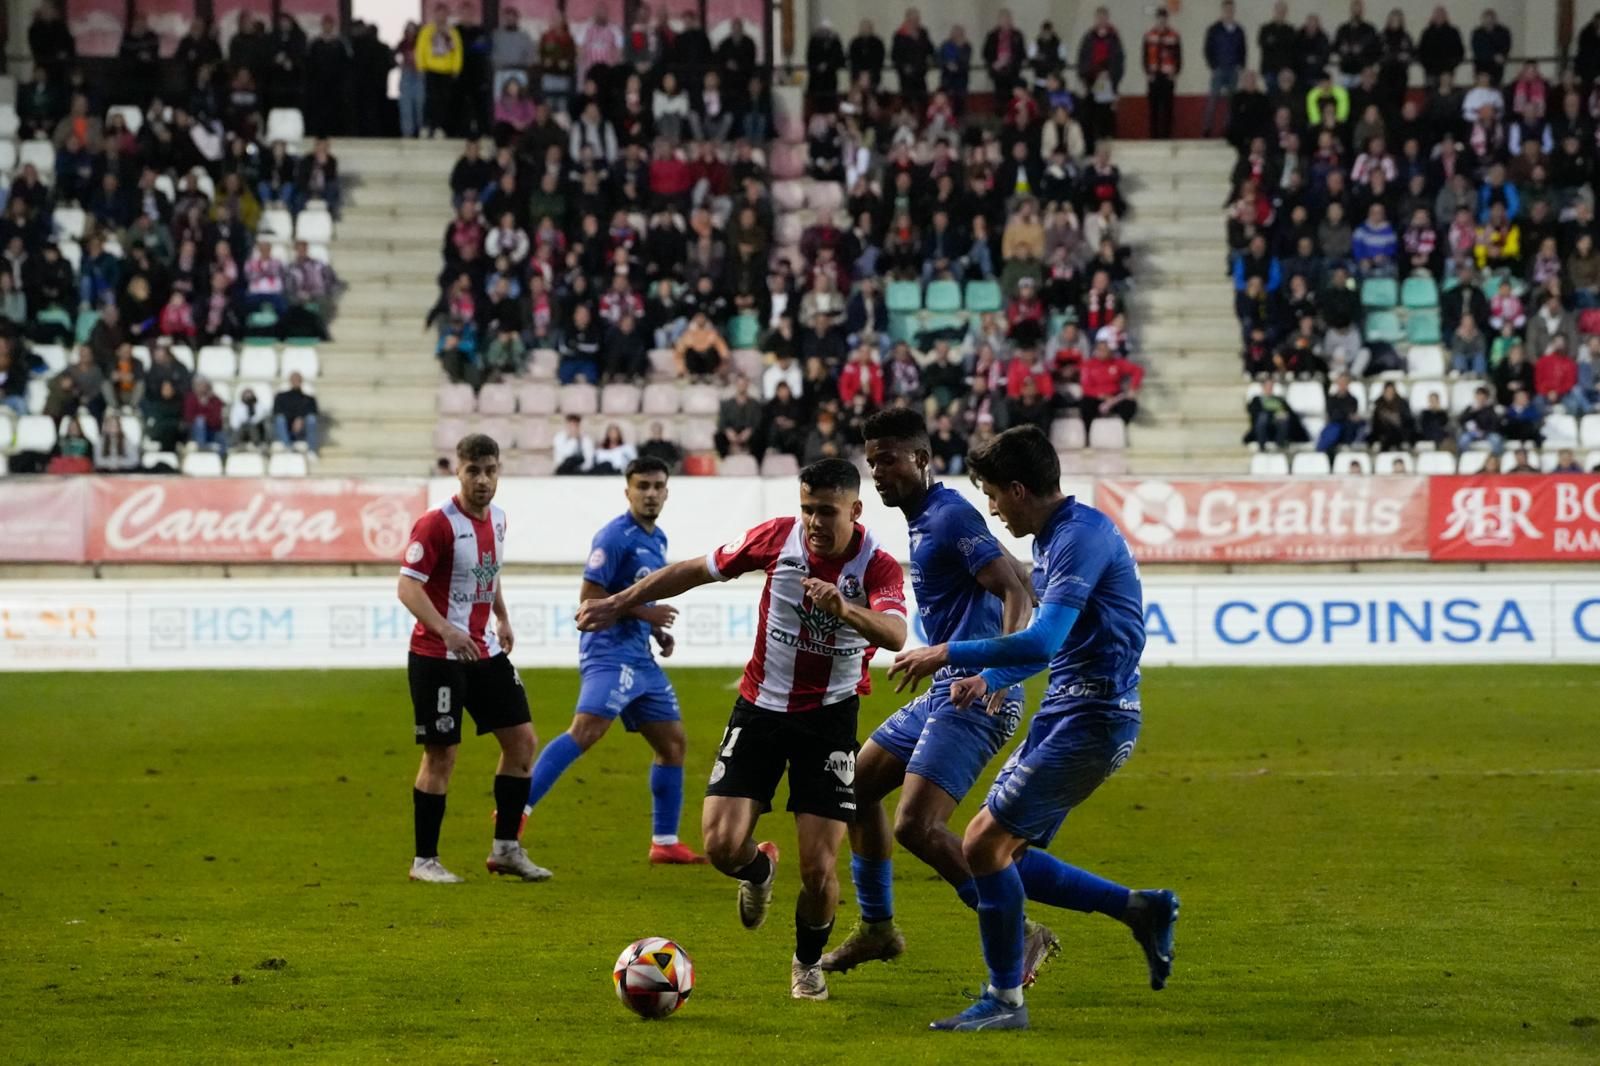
(664, 584)
(659, 615)
(1030, 647)
(502, 620)
(415, 598)
(880, 628)
(1001, 578)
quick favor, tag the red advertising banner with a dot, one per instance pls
(720, 13)
(97, 26)
(169, 18)
(227, 520)
(42, 521)
(1270, 520)
(1543, 518)
(308, 13)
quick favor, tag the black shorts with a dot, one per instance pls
(817, 747)
(489, 690)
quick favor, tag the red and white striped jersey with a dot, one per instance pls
(457, 559)
(805, 658)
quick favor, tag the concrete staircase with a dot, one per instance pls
(379, 374)
(1181, 310)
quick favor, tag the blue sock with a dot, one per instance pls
(553, 761)
(1000, 899)
(1049, 880)
(874, 887)
(968, 891)
(666, 803)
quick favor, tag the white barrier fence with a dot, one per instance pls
(1417, 617)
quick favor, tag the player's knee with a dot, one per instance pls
(586, 730)
(722, 848)
(439, 758)
(670, 750)
(818, 874)
(912, 831)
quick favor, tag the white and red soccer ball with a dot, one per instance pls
(653, 977)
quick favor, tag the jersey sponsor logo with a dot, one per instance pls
(486, 572)
(850, 587)
(1123, 753)
(597, 558)
(815, 623)
(842, 764)
(641, 573)
(444, 723)
(968, 545)
(414, 553)
(733, 546)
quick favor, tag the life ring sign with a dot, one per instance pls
(1154, 513)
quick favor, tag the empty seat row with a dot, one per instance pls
(198, 462)
(537, 434)
(943, 296)
(544, 398)
(1069, 435)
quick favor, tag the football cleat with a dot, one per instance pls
(1040, 945)
(1152, 927)
(514, 862)
(867, 942)
(433, 872)
(989, 1012)
(754, 899)
(807, 982)
(675, 855)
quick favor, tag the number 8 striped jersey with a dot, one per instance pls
(457, 559)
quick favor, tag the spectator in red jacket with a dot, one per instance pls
(861, 374)
(203, 414)
(1555, 379)
(1027, 365)
(1110, 386)
(671, 176)
(1025, 315)
(177, 318)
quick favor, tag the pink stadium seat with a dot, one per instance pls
(779, 464)
(1108, 433)
(750, 363)
(663, 364)
(788, 161)
(619, 400)
(788, 195)
(536, 398)
(501, 429)
(699, 435)
(454, 399)
(789, 230)
(824, 197)
(600, 426)
(579, 400)
(531, 466)
(542, 363)
(1110, 464)
(1073, 463)
(533, 434)
(701, 400)
(446, 433)
(739, 466)
(660, 399)
(497, 399)
(792, 129)
(1067, 434)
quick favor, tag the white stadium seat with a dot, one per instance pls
(1425, 361)
(303, 361)
(9, 122)
(1345, 460)
(246, 464)
(1421, 390)
(91, 428)
(1589, 431)
(287, 464)
(35, 433)
(579, 399)
(1463, 394)
(1309, 463)
(41, 154)
(1269, 464)
(1560, 430)
(739, 466)
(201, 463)
(224, 391)
(1306, 399)
(1108, 433)
(276, 224)
(132, 117)
(1384, 463)
(69, 222)
(38, 392)
(217, 362)
(1436, 463)
(258, 363)
(285, 124)
(152, 460)
(1472, 462)
(54, 356)
(8, 156)
(181, 353)
(314, 226)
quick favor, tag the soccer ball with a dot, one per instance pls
(653, 977)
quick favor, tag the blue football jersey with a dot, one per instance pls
(1080, 560)
(950, 543)
(621, 554)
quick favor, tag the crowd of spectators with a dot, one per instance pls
(1426, 258)
(650, 225)
(139, 228)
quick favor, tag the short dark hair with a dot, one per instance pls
(646, 464)
(827, 474)
(897, 423)
(476, 446)
(1020, 456)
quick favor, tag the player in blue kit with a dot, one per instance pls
(619, 676)
(1090, 629)
(967, 588)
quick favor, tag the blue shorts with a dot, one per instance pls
(946, 745)
(1062, 760)
(639, 694)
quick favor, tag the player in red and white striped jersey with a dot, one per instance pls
(450, 581)
(832, 597)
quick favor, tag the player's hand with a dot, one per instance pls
(659, 615)
(825, 596)
(502, 629)
(997, 702)
(460, 644)
(595, 615)
(967, 691)
(666, 640)
(918, 663)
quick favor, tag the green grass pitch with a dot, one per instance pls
(1377, 866)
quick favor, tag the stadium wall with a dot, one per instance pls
(1411, 617)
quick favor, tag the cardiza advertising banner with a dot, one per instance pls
(1414, 617)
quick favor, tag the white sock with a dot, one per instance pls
(664, 839)
(1011, 997)
(505, 847)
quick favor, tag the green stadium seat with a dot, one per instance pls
(943, 296)
(1384, 326)
(1422, 326)
(86, 324)
(1379, 293)
(903, 296)
(903, 326)
(1419, 293)
(983, 296)
(744, 331)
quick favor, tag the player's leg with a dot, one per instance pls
(436, 693)
(584, 732)
(670, 743)
(499, 705)
(879, 772)
(750, 761)
(819, 838)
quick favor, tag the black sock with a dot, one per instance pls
(758, 869)
(809, 940)
(427, 814)
(510, 793)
